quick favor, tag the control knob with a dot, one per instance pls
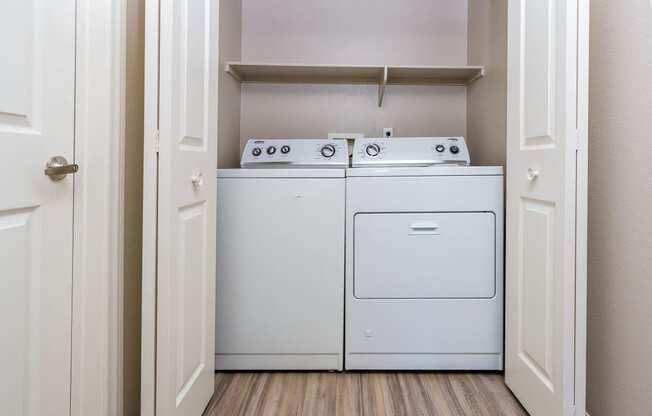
(328, 151)
(271, 150)
(285, 149)
(455, 150)
(256, 151)
(440, 148)
(372, 149)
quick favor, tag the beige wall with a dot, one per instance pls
(408, 32)
(133, 200)
(228, 124)
(313, 111)
(620, 207)
(487, 98)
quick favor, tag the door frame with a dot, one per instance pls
(98, 275)
(150, 212)
(581, 205)
(150, 207)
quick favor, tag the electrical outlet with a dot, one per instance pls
(388, 132)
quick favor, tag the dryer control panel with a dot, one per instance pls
(410, 151)
(295, 153)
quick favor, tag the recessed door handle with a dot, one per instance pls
(424, 226)
(58, 167)
(424, 229)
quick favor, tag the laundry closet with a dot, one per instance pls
(447, 72)
(509, 91)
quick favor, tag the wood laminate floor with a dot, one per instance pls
(359, 393)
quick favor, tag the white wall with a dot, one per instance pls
(408, 32)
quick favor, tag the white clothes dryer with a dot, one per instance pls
(424, 257)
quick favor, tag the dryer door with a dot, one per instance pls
(424, 255)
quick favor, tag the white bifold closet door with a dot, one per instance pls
(185, 196)
(545, 286)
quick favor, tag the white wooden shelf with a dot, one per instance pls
(354, 74)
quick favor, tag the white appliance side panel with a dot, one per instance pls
(424, 255)
(280, 265)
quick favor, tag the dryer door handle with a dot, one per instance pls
(421, 228)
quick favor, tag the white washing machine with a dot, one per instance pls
(424, 257)
(280, 258)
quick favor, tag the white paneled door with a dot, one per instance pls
(37, 91)
(185, 315)
(541, 217)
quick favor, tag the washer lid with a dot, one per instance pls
(428, 171)
(280, 173)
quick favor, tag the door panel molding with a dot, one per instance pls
(535, 348)
(539, 66)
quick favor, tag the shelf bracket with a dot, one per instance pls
(231, 72)
(382, 82)
(476, 77)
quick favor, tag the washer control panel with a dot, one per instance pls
(295, 153)
(410, 151)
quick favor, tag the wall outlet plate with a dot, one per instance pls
(388, 132)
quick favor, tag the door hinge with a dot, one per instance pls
(156, 141)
